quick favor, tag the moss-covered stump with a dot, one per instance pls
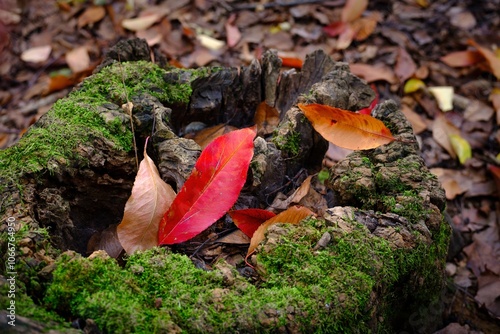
(368, 265)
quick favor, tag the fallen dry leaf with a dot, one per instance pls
(150, 199)
(365, 26)
(37, 54)
(495, 100)
(488, 293)
(141, 22)
(462, 58)
(210, 42)
(106, 240)
(417, 122)
(91, 15)
(405, 66)
(233, 34)
(292, 215)
(441, 131)
(207, 135)
(491, 58)
(347, 129)
(453, 182)
(413, 85)
(461, 147)
(373, 73)
(78, 59)
(443, 96)
(353, 10)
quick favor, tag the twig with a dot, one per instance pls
(128, 107)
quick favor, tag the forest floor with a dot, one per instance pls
(405, 49)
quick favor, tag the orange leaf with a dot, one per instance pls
(292, 215)
(150, 199)
(462, 58)
(364, 27)
(490, 57)
(207, 135)
(353, 9)
(291, 62)
(211, 189)
(347, 129)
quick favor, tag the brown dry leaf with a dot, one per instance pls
(233, 34)
(266, 118)
(205, 136)
(488, 293)
(462, 58)
(106, 240)
(295, 197)
(365, 26)
(490, 57)
(373, 73)
(482, 252)
(477, 111)
(417, 122)
(37, 54)
(152, 35)
(150, 199)
(78, 59)
(405, 66)
(495, 100)
(353, 10)
(91, 15)
(441, 131)
(453, 182)
(292, 215)
(141, 22)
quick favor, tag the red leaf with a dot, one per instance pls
(347, 129)
(336, 28)
(149, 200)
(249, 220)
(211, 189)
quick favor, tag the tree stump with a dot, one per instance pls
(370, 264)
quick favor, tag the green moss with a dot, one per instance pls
(77, 119)
(289, 144)
(328, 290)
